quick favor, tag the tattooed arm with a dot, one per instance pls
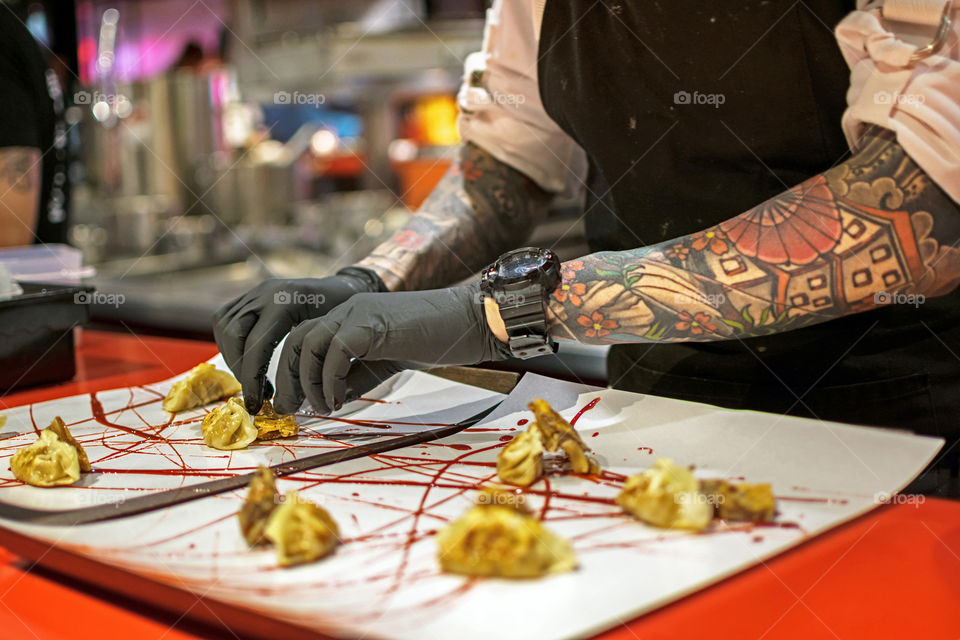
(480, 209)
(868, 232)
(19, 191)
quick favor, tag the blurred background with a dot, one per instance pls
(213, 143)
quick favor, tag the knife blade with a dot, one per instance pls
(171, 497)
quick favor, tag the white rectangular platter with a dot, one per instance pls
(384, 580)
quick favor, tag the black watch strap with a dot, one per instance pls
(522, 311)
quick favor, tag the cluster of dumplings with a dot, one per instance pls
(501, 537)
(228, 426)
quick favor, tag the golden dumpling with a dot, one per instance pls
(262, 498)
(202, 385)
(59, 428)
(500, 537)
(741, 501)
(557, 433)
(521, 461)
(666, 496)
(228, 426)
(48, 462)
(271, 425)
(301, 531)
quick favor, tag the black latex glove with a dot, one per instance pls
(248, 329)
(337, 358)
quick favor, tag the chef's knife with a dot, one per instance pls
(171, 497)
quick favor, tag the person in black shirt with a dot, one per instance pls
(33, 179)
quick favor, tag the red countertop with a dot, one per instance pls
(894, 573)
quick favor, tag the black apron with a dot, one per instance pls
(612, 75)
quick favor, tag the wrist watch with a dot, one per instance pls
(519, 281)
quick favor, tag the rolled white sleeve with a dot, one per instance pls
(500, 108)
(919, 101)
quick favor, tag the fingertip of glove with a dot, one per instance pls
(253, 405)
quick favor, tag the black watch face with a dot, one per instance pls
(519, 266)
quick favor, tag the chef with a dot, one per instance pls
(771, 201)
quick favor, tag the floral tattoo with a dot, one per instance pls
(842, 242)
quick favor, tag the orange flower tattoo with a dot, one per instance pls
(713, 238)
(569, 290)
(695, 324)
(677, 251)
(598, 326)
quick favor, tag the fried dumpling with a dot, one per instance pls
(202, 385)
(557, 433)
(262, 498)
(228, 426)
(48, 462)
(500, 537)
(301, 531)
(59, 428)
(741, 501)
(521, 461)
(271, 425)
(666, 496)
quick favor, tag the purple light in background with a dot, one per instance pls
(151, 35)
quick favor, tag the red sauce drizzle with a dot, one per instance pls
(96, 408)
(587, 407)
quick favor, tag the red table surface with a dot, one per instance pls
(894, 573)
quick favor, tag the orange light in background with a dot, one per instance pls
(436, 118)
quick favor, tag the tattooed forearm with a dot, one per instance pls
(868, 232)
(480, 209)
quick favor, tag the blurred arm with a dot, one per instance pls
(19, 194)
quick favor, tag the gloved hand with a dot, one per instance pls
(248, 329)
(336, 358)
